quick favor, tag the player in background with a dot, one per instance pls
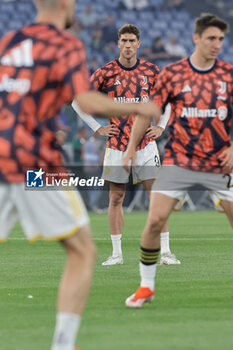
(41, 68)
(128, 79)
(199, 148)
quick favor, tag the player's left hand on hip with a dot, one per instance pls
(154, 131)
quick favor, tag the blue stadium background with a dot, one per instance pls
(159, 18)
(156, 19)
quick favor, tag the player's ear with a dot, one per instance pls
(118, 43)
(139, 43)
(195, 38)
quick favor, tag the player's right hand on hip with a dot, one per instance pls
(109, 130)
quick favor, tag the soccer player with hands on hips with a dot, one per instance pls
(41, 68)
(199, 149)
(128, 79)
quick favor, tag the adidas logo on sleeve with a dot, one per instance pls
(117, 82)
(20, 56)
(187, 88)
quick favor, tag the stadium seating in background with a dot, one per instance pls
(157, 21)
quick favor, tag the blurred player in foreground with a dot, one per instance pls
(199, 148)
(128, 79)
(41, 68)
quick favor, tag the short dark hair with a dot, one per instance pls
(129, 28)
(209, 20)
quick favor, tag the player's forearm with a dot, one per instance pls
(87, 118)
(96, 103)
(138, 131)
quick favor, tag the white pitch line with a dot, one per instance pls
(171, 239)
(138, 239)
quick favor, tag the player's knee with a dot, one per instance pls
(89, 251)
(156, 222)
(92, 251)
(116, 198)
(81, 246)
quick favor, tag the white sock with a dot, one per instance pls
(147, 273)
(116, 244)
(164, 243)
(67, 326)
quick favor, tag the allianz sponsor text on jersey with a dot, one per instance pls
(190, 112)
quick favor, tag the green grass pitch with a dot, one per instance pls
(193, 306)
